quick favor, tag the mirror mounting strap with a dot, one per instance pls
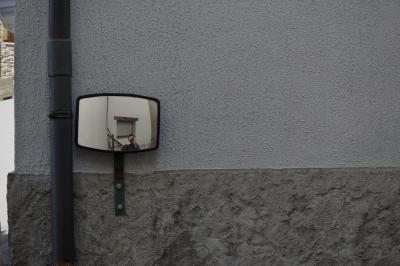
(119, 186)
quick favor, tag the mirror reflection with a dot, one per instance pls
(118, 123)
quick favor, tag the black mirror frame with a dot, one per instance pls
(115, 94)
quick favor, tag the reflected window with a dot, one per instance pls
(125, 126)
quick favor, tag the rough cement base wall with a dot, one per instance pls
(252, 217)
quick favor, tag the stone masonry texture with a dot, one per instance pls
(218, 217)
(7, 59)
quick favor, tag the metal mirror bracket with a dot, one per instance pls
(119, 186)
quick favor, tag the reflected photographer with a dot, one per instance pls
(132, 144)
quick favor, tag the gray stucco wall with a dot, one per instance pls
(242, 84)
(236, 217)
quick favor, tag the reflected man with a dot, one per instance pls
(132, 145)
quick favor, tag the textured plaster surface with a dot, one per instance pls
(228, 217)
(242, 84)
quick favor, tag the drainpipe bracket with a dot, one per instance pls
(60, 115)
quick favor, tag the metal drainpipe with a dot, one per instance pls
(59, 73)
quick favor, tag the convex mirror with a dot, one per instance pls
(117, 122)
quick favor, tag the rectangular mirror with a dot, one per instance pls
(117, 122)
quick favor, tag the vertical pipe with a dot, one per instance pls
(59, 73)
